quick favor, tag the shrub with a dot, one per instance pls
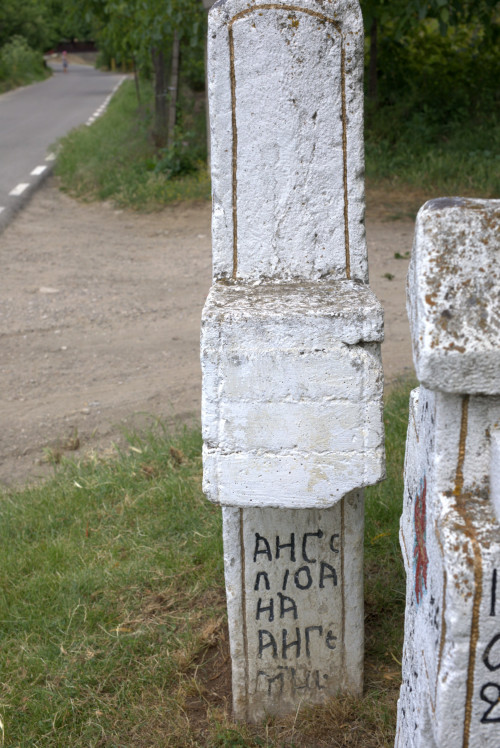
(19, 64)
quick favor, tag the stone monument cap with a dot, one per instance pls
(454, 295)
(342, 311)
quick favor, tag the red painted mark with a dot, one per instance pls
(420, 551)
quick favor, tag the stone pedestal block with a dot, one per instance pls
(292, 396)
(294, 582)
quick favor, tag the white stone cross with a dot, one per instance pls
(292, 377)
(450, 531)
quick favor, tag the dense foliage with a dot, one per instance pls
(19, 64)
(432, 69)
(42, 23)
(438, 57)
(433, 93)
(29, 28)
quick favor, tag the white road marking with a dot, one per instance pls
(50, 157)
(1, 208)
(104, 105)
(37, 171)
(19, 189)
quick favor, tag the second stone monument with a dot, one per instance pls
(292, 377)
(450, 531)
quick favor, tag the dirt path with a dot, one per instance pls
(100, 322)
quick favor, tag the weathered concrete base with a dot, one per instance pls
(294, 584)
(450, 537)
(292, 393)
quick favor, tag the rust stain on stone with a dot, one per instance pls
(477, 565)
(235, 152)
(342, 577)
(429, 300)
(344, 149)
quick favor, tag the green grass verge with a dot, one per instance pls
(112, 608)
(115, 159)
(463, 160)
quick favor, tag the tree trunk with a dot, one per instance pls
(137, 88)
(173, 89)
(372, 70)
(160, 128)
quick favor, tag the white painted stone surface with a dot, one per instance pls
(495, 472)
(450, 531)
(292, 377)
(292, 395)
(294, 582)
(289, 320)
(454, 295)
(450, 539)
(286, 112)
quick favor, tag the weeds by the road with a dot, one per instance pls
(115, 159)
(20, 65)
(112, 608)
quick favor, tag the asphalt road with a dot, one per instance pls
(34, 117)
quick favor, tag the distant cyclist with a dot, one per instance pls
(65, 62)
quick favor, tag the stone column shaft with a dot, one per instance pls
(292, 377)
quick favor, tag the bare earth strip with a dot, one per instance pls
(100, 322)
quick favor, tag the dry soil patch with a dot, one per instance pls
(100, 321)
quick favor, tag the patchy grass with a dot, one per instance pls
(384, 572)
(115, 159)
(464, 162)
(112, 608)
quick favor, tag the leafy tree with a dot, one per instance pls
(66, 21)
(42, 23)
(150, 33)
(27, 19)
(399, 18)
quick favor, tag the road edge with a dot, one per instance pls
(9, 212)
